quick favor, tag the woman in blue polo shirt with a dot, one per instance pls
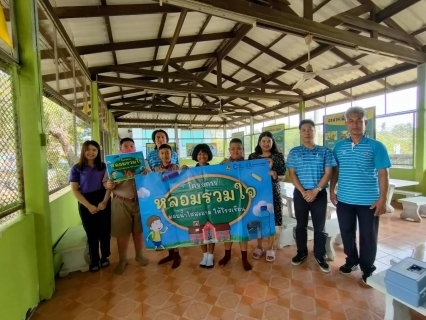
(159, 137)
(94, 203)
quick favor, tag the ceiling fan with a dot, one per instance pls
(223, 114)
(309, 71)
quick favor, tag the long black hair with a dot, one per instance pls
(155, 133)
(98, 160)
(274, 148)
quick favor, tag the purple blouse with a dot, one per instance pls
(89, 179)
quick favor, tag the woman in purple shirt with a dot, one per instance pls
(94, 203)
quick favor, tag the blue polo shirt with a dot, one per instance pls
(358, 181)
(309, 164)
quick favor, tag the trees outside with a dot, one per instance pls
(66, 135)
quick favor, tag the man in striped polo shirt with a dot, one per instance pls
(310, 169)
(363, 181)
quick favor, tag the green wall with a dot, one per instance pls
(63, 213)
(19, 283)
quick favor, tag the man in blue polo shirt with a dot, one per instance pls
(363, 181)
(310, 167)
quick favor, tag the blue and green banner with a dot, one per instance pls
(278, 134)
(209, 204)
(124, 166)
(335, 128)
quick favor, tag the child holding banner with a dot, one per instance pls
(125, 215)
(236, 151)
(203, 154)
(165, 154)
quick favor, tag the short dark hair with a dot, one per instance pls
(305, 121)
(155, 133)
(126, 139)
(202, 147)
(165, 146)
(236, 140)
(274, 148)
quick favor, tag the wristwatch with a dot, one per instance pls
(319, 189)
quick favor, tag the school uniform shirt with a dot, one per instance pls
(309, 164)
(88, 178)
(154, 160)
(358, 181)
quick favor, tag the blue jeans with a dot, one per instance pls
(347, 215)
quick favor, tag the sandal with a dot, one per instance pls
(257, 254)
(270, 255)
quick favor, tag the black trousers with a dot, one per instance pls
(97, 226)
(318, 209)
(348, 214)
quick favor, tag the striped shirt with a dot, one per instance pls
(309, 164)
(154, 160)
(358, 181)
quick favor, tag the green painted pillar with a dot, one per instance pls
(28, 92)
(420, 154)
(110, 132)
(96, 133)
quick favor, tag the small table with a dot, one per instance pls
(397, 309)
(396, 183)
(411, 208)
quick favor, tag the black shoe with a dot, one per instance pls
(298, 259)
(94, 267)
(104, 262)
(323, 265)
(347, 268)
(365, 276)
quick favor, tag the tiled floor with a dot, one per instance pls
(270, 291)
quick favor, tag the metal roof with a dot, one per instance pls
(259, 54)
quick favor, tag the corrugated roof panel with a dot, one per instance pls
(312, 86)
(327, 60)
(129, 28)
(266, 64)
(219, 25)
(86, 31)
(166, 116)
(191, 26)
(74, 3)
(243, 52)
(179, 50)
(403, 77)
(263, 36)
(134, 55)
(292, 47)
(243, 75)
(98, 59)
(330, 9)
(206, 47)
(194, 64)
(338, 78)
(376, 63)
(115, 2)
(228, 68)
(211, 78)
(410, 19)
(177, 100)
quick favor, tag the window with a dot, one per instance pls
(11, 197)
(292, 139)
(397, 134)
(64, 144)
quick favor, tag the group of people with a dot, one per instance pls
(358, 165)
